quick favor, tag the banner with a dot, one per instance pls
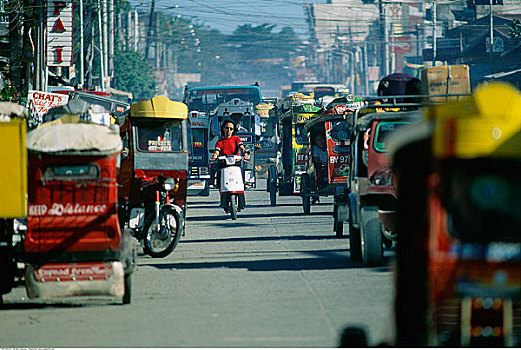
(59, 33)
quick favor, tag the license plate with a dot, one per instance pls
(196, 186)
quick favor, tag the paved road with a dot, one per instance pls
(272, 278)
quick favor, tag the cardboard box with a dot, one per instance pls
(445, 80)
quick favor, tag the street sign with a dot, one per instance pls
(41, 101)
(401, 44)
(59, 33)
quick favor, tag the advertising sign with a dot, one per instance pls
(43, 101)
(59, 33)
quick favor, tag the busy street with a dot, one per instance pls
(260, 174)
(272, 278)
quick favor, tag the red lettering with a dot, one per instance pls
(58, 7)
(58, 54)
(58, 26)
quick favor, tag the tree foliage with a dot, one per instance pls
(131, 74)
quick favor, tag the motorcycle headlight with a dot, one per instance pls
(169, 184)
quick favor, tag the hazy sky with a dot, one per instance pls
(226, 15)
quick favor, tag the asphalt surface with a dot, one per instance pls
(273, 278)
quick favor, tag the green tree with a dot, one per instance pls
(132, 74)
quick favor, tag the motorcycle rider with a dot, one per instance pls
(226, 146)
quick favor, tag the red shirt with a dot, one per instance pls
(229, 146)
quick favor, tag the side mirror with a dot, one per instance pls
(360, 128)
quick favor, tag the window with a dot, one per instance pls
(71, 172)
(159, 135)
(382, 132)
(203, 100)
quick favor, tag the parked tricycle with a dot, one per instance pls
(13, 204)
(153, 174)
(74, 245)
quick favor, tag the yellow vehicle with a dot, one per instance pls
(292, 114)
(267, 141)
(13, 177)
(153, 173)
(462, 231)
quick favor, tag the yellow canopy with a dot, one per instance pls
(159, 107)
(486, 124)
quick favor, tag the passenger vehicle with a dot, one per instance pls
(154, 173)
(372, 198)
(267, 143)
(461, 202)
(242, 113)
(13, 204)
(74, 245)
(198, 161)
(329, 177)
(292, 113)
(207, 98)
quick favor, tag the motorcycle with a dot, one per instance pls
(231, 184)
(153, 174)
(162, 227)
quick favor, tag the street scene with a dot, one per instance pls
(272, 278)
(273, 174)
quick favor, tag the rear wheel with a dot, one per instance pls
(305, 187)
(338, 225)
(355, 242)
(272, 186)
(161, 241)
(233, 206)
(371, 236)
(127, 280)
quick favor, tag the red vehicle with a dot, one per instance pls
(373, 200)
(154, 172)
(330, 138)
(74, 245)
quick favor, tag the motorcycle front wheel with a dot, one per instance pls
(161, 241)
(233, 206)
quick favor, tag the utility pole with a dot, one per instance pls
(383, 39)
(136, 30)
(150, 29)
(491, 35)
(102, 56)
(15, 9)
(82, 53)
(105, 44)
(110, 54)
(433, 32)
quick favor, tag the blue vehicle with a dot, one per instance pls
(207, 98)
(198, 164)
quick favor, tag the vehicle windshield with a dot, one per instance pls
(268, 128)
(320, 92)
(159, 135)
(206, 99)
(301, 136)
(483, 201)
(198, 138)
(382, 132)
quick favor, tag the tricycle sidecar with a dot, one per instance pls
(74, 244)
